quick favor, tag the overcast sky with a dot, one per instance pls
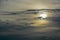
(13, 5)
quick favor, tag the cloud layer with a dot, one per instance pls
(13, 5)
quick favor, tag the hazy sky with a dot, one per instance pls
(13, 5)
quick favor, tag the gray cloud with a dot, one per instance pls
(13, 5)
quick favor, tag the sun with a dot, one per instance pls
(43, 15)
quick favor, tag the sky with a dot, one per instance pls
(27, 24)
(14, 5)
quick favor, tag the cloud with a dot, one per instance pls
(15, 5)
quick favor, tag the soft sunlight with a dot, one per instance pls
(43, 15)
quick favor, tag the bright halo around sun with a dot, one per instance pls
(43, 15)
